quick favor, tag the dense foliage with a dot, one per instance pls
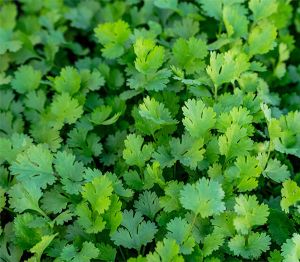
(147, 131)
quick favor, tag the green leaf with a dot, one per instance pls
(235, 20)
(106, 252)
(261, 38)
(68, 81)
(147, 204)
(252, 249)
(34, 165)
(113, 36)
(166, 251)
(90, 221)
(69, 171)
(135, 232)
(2, 198)
(54, 201)
(87, 252)
(248, 173)
(135, 153)
(8, 15)
(191, 60)
(285, 133)
(66, 109)
(212, 8)
(39, 248)
(226, 67)
(262, 8)
(180, 230)
(280, 226)
(113, 216)
(207, 197)
(235, 142)
(29, 229)
(188, 151)
(170, 201)
(8, 42)
(166, 4)
(10, 148)
(26, 79)
(249, 213)
(98, 193)
(25, 197)
(276, 171)
(155, 112)
(101, 116)
(290, 249)
(237, 115)
(150, 57)
(199, 119)
(290, 193)
(212, 242)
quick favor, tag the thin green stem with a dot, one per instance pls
(215, 92)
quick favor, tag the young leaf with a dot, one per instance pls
(235, 142)
(135, 232)
(34, 165)
(135, 153)
(68, 81)
(262, 8)
(147, 204)
(167, 251)
(113, 36)
(207, 197)
(98, 193)
(26, 79)
(276, 171)
(69, 171)
(180, 230)
(290, 195)
(252, 249)
(249, 213)
(290, 249)
(198, 118)
(261, 38)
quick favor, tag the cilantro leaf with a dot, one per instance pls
(149, 56)
(167, 251)
(135, 232)
(235, 142)
(188, 151)
(276, 171)
(97, 193)
(26, 79)
(290, 249)
(198, 118)
(113, 36)
(65, 109)
(261, 38)
(68, 81)
(192, 59)
(208, 197)
(262, 8)
(25, 197)
(257, 244)
(34, 165)
(179, 229)
(153, 111)
(135, 153)
(147, 204)
(290, 195)
(87, 252)
(69, 171)
(249, 213)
